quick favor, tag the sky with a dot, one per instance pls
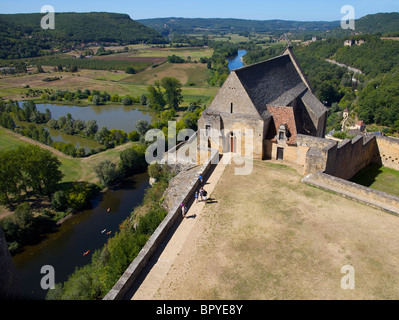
(299, 10)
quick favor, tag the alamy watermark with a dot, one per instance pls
(48, 281)
(348, 21)
(348, 281)
(48, 21)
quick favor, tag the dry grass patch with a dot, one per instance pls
(268, 236)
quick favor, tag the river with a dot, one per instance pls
(64, 249)
(236, 62)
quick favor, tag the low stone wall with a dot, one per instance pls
(374, 198)
(343, 159)
(388, 149)
(350, 156)
(125, 282)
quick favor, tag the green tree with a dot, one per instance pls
(132, 160)
(96, 100)
(155, 97)
(59, 201)
(142, 127)
(107, 173)
(127, 101)
(143, 99)
(91, 128)
(173, 91)
(130, 70)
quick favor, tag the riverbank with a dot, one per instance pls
(88, 230)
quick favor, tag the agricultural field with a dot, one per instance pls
(192, 75)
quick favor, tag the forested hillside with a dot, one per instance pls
(372, 95)
(384, 23)
(217, 25)
(21, 35)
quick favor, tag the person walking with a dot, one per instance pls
(196, 196)
(183, 210)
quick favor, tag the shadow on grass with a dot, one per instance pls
(367, 176)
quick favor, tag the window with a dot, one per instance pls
(231, 107)
(208, 129)
(281, 136)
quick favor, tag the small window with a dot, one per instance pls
(281, 136)
(231, 107)
(208, 129)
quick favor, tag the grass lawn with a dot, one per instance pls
(74, 169)
(8, 141)
(268, 236)
(379, 178)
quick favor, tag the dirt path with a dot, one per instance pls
(26, 139)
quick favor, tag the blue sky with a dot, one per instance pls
(302, 10)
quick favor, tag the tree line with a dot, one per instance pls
(94, 280)
(28, 170)
(86, 129)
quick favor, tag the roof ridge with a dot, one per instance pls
(258, 63)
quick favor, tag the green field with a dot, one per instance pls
(194, 53)
(378, 178)
(74, 169)
(193, 76)
(195, 73)
(8, 141)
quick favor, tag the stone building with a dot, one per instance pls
(271, 98)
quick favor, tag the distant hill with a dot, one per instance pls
(86, 27)
(217, 25)
(384, 23)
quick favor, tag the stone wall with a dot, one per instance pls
(388, 149)
(9, 285)
(340, 159)
(219, 135)
(371, 197)
(125, 282)
(349, 156)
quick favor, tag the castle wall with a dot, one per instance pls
(349, 156)
(388, 149)
(371, 197)
(342, 160)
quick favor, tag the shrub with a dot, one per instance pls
(59, 201)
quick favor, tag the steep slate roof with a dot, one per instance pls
(313, 103)
(266, 81)
(277, 82)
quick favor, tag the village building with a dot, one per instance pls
(273, 99)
